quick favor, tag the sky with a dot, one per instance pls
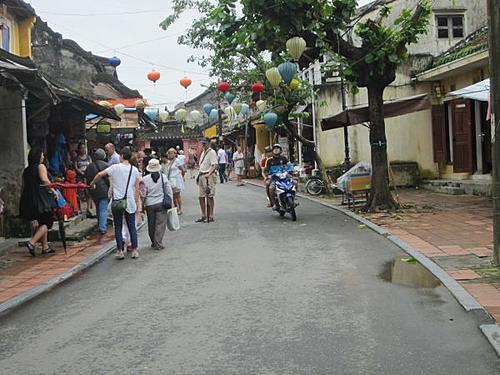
(130, 30)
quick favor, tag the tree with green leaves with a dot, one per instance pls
(253, 30)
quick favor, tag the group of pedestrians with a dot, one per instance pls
(130, 184)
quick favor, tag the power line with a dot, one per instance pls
(102, 14)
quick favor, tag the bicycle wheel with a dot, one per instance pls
(315, 186)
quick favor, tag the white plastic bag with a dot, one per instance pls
(173, 223)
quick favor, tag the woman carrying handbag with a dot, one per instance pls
(157, 195)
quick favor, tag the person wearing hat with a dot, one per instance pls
(206, 181)
(274, 164)
(99, 194)
(156, 184)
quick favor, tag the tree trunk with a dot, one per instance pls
(380, 194)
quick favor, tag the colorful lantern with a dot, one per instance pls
(230, 97)
(296, 47)
(229, 111)
(185, 82)
(294, 85)
(139, 103)
(257, 87)
(195, 116)
(154, 76)
(245, 108)
(223, 87)
(207, 108)
(114, 61)
(261, 105)
(214, 115)
(152, 113)
(237, 107)
(270, 119)
(274, 77)
(287, 71)
(180, 115)
(105, 104)
(119, 109)
(163, 116)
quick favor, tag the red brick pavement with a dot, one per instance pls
(20, 272)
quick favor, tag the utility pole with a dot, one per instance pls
(494, 45)
(347, 159)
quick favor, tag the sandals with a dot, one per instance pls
(48, 251)
(31, 249)
(201, 220)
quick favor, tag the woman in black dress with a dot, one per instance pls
(35, 200)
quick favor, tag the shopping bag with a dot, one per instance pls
(173, 223)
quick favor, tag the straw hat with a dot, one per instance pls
(153, 166)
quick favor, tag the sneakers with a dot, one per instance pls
(120, 255)
(135, 254)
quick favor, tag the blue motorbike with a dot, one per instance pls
(285, 194)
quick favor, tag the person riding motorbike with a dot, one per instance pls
(275, 164)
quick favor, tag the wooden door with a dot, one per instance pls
(439, 139)
(463, 161)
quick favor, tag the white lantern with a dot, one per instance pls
(274, 77)
(119, 109)
(261, 105)
(195, 116)
(296, 47)
(163, 116)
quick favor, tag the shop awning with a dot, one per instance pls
(392, 108)
(478, 91)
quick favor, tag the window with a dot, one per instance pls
(450, 26)
(5, 34)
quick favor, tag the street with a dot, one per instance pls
(249, 294)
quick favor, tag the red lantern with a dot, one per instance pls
(154, 75)
(257, 87)
(185, 82)
(224, 86)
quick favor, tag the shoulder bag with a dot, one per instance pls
(201, 162)
(167, 201)
(119, 206)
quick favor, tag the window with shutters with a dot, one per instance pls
(5, 31)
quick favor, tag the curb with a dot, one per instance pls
(468, 302)
(22, 298)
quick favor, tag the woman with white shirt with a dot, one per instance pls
(175, 172)
(155, 185)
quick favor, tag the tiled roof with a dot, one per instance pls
(475, 42)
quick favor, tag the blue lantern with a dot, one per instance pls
(230, 97)
(114, 61)
(270, 119)
(207, 108)
(152, 113)
(214, 115)
(245, 108)
(287, 71)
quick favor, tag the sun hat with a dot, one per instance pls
(205, 141)
(153, 166)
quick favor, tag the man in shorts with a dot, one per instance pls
(206, 181)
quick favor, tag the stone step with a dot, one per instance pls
(75, 231)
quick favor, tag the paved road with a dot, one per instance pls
(249, 294)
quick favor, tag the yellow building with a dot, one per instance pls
(16, 23)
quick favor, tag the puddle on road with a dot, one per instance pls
(409, 273)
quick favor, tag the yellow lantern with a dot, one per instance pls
(119, 109)
(261, 105)
(139, 103)
(294, 85)
(237, 107)
(195, 116)
(163, 116)
(274, 77)
(105, 104)
(296, 47)
(229, 111)
(180, 115)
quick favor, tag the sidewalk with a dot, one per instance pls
(20, 272)
(454, 231)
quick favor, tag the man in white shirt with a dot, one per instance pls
(222, 161)
(206, 181)
(239, 165)
(126, 179)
